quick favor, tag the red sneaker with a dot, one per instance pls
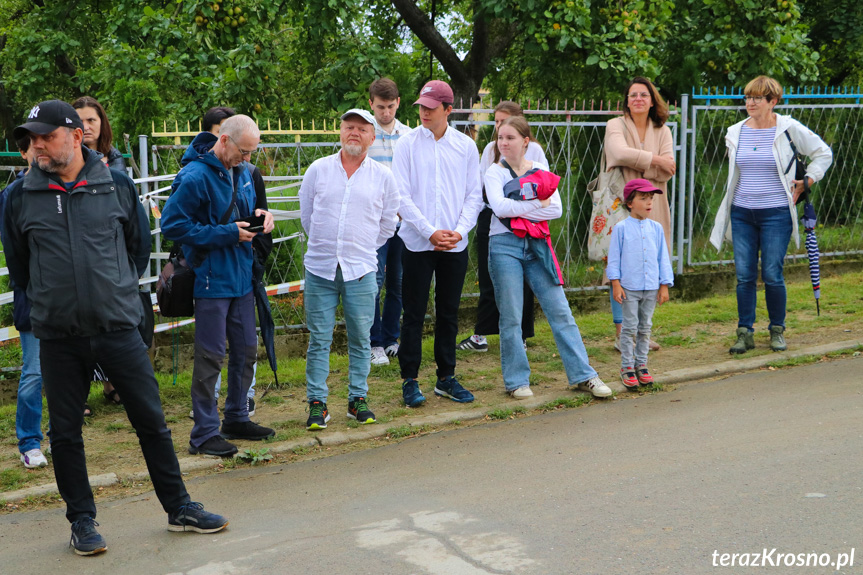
(644, 377)
(627, 376)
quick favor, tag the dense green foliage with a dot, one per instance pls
(169, 59)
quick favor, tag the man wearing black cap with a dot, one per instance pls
(76, 238)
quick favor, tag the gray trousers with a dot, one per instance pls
(637, 321)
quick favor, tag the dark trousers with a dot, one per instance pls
(487, 315)
(67, 369)
(448, 269)
(216, 319)
(386, 328)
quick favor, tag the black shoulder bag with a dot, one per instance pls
(800, 170)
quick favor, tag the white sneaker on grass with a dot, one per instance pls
(595, 386)
(522, 392)
(392, 350)
(379, 356)
(33, 459)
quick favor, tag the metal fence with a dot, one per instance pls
(572, 139)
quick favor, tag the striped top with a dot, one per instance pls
(759, 186)
(382, 148)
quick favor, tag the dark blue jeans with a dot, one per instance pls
(67, 370)
(386, 327)
(767, 231)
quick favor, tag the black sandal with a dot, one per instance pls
(112, 397)
(87, 411)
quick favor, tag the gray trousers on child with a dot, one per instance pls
(637, 321)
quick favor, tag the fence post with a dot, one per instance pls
(681, 180)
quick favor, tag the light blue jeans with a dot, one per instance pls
(638, 310)
(28, 417)
(510, 262)
(321, 298)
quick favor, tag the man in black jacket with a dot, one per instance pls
(77, 238)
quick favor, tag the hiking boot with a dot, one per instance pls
(628, 377)
(745, 341)
(392, 350)
(192, 517)
(644, 377)
(595, 386)
(85, 539)
(251, 407)
(777, 339)
(473, 343)
(216, 445)
(451, 388)
(33, 459)
(522, 392)
(379, 356)
(411, 393)
(319, 415)
(359, 409)
(246, 430)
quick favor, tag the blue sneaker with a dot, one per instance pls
(192, 517)
(85, 539)
(451, 388)
(411, 393)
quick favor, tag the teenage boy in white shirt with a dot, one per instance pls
(348, 207)
(437, 170)
(384, 100)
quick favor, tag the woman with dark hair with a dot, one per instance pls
(97, 132)
(641, 144)
(758, 212)
(487, 316)
(524, 197)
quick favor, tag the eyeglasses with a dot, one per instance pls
(756, 99)
(242, 151)
(642, 95)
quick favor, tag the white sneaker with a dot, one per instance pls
(595, 386)
(33, 459)
(379, 356)
(392, 350)
(522, 392)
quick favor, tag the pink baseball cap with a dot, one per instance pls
(435, 93)
(638, 185)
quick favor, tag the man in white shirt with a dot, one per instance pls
(384, 100)
(437, 170)
(348, 207)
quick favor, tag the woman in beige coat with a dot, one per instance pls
(641, 144)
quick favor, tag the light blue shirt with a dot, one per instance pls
(638, 255)
(382, 148)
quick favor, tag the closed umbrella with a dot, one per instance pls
(265, 318)
(809, 221)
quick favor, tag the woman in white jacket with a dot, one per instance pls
(759, 204)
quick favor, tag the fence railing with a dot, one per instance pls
(572, 139)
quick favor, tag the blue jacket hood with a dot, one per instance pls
(200, 146)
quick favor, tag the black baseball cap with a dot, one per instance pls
(45, 117)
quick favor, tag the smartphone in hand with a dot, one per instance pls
(256, 223)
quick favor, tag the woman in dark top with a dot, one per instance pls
(97, 132)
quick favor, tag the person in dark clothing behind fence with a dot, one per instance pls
(211, 196)
(77, 238)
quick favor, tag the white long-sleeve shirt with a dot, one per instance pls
(347, 219)
(439, 186)
(495, 179)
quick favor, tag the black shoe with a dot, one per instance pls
(251, 407)
(85, 539)
(451, 388)
(192, 517)
(214, 446)
(359, 409)
(246, 430)
(319, 415)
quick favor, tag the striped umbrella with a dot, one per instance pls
(809, 221)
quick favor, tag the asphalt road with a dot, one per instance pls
(658, 484)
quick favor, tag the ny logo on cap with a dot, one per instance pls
(426, 90)
(34, 113)
(68, 121)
